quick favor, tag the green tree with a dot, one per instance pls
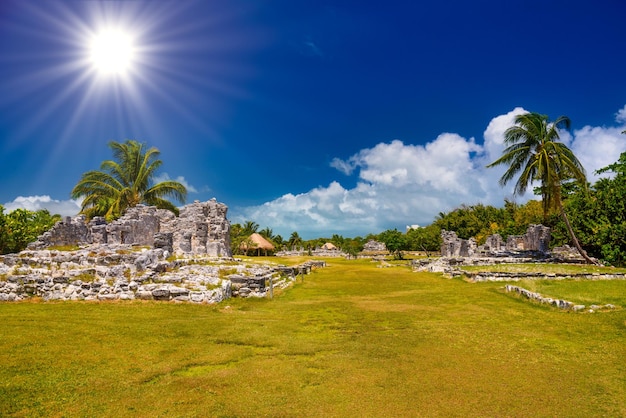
(126, 181)
(294, 240)
(535, 153)
(250, 227)
(600, 215)
(279, 241)
(20, 227)
(267, 233)
(425, 239)
(394, 241)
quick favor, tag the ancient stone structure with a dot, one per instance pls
(374, 246)
(536, 239)
(453, 246)
(123, 272)
(201, 228)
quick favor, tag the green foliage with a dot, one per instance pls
(294, 240)
(395, 241)
(424, 239)
(535, 152)
(20, 227)
(125, 182)
(599, 215)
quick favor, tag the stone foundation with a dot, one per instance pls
(122, 272)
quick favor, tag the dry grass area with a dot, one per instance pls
(350, 340)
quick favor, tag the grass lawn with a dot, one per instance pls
(350, 340)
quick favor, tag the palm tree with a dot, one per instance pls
(267, 233)
(294, 240)
(250, 227)
(126, 181)
(534, 149)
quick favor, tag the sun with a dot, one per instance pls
(112, 52)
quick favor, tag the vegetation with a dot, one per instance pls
(126, 182)
(394, 241)
(20, 227)
(350, 340)
(536, 154)
(599, 214)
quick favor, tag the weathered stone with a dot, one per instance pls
(195, 280)
(178, 291)
(164, 240)
(201, 228)
(161, 294)
(144, 295)
(453, 246)
(374, 246)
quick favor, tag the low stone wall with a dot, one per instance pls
(486, 276)
(453, 267)
(122, 272)
(559, 303)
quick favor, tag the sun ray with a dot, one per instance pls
(83, 98)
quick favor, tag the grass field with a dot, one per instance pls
(350, 340)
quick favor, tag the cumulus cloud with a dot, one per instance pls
(400, 183)
(620, 116)
(190, 188)
(597, 147)
(62, 207)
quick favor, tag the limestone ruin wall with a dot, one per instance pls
(536, 239)
(200, 228)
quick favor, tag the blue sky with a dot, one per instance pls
(320, 117)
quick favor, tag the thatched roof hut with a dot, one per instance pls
(329, 246)
(257, 242)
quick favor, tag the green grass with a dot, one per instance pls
(350, 340)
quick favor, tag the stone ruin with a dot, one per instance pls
(536, 239)
(200, 228)
(374, 246)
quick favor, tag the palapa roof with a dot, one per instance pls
(329, 246)
(258, 242)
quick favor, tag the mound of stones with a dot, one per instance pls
(125, 272)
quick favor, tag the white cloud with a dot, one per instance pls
(62, 207)
(402, 184)
(620, 116)
(190, 188)
(597, 147)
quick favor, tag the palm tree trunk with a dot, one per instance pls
(582, 252)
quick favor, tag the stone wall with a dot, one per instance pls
(559, 303)
(122, 272)
(453, 246)
(201, 228)
(536, 239)
(374, 246)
